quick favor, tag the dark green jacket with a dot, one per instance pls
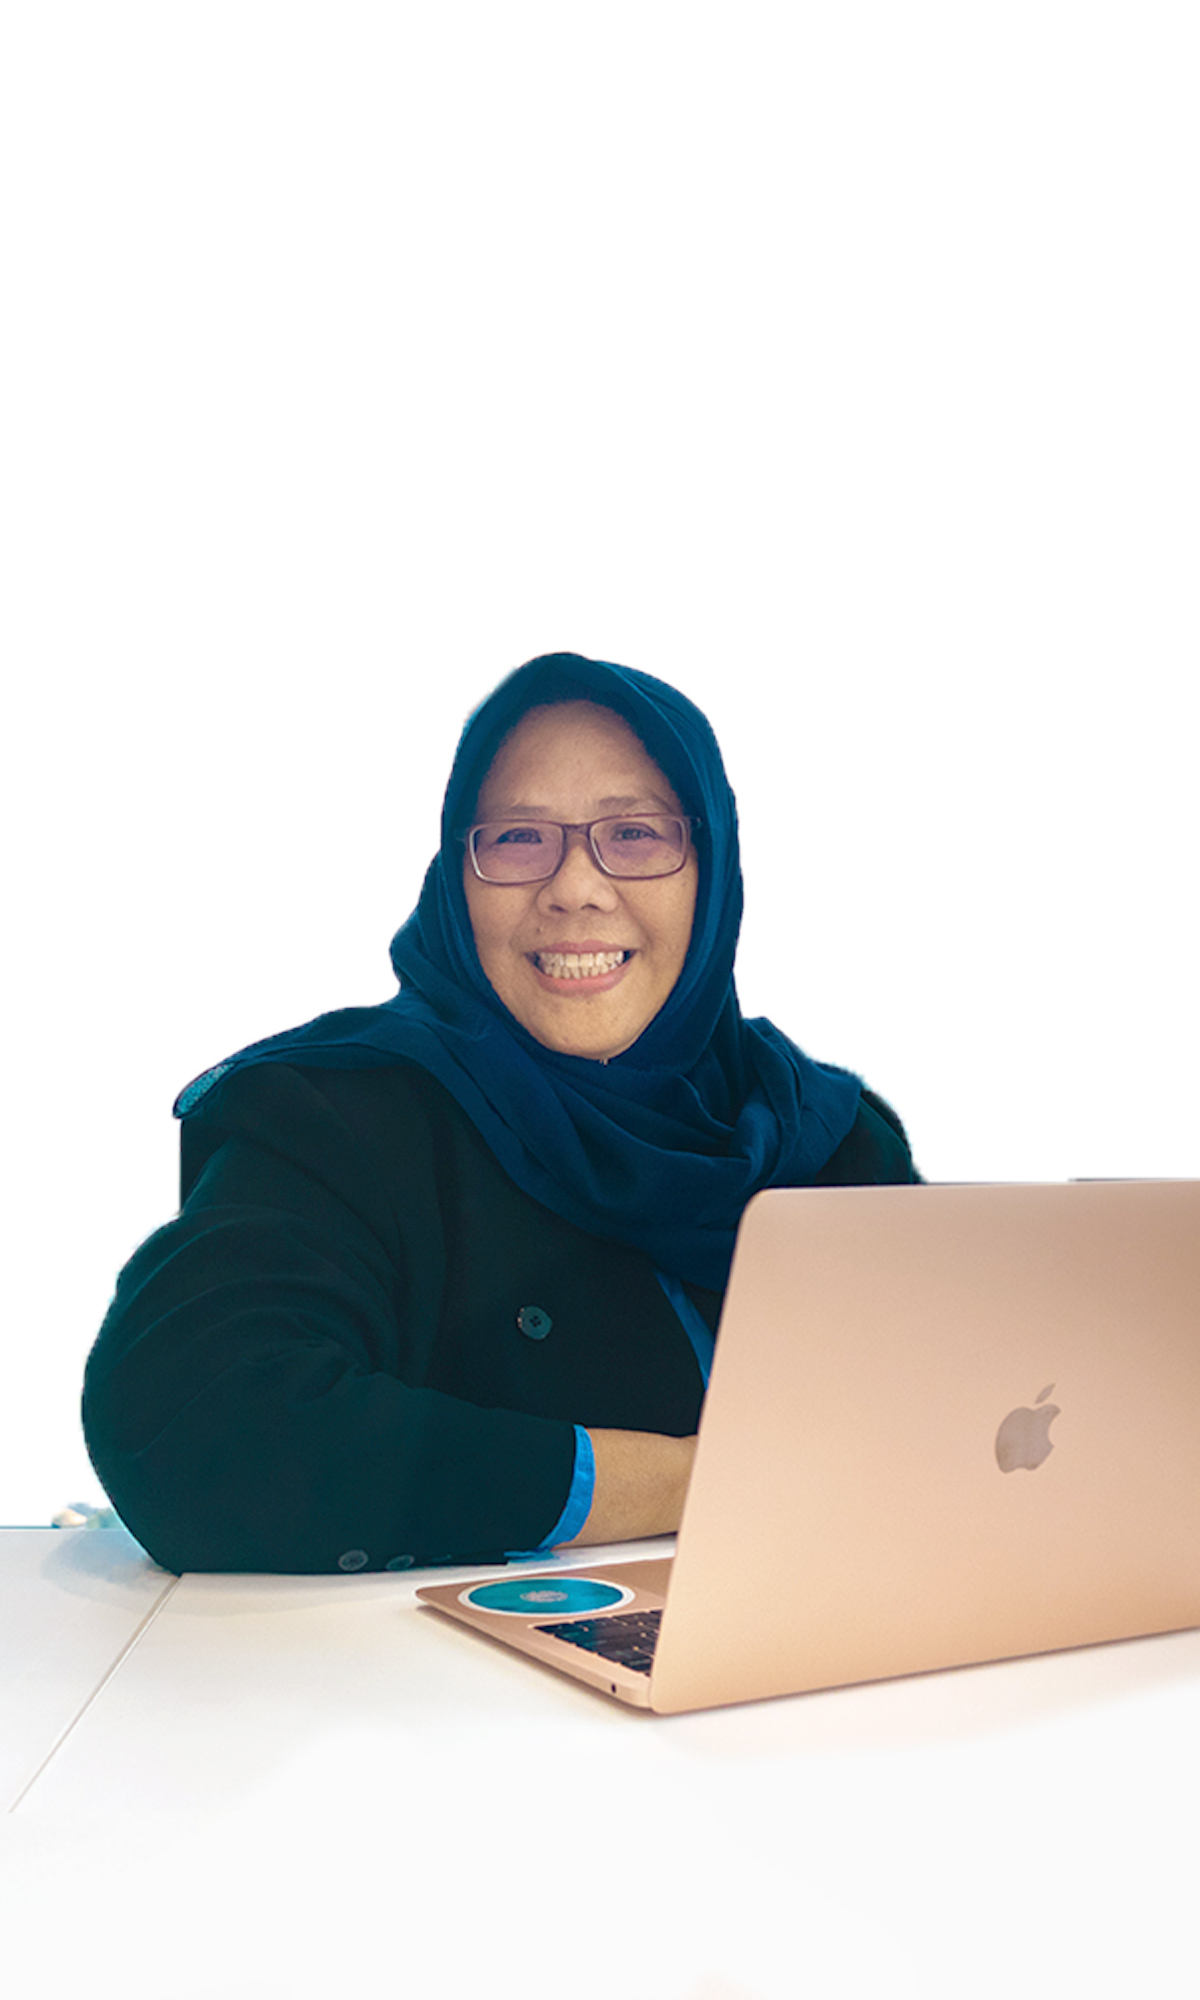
(320, 1362)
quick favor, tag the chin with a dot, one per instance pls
(597, 1046)
(589, 1051)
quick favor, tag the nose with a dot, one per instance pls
(578, 880)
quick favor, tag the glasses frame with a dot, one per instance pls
(687, 821)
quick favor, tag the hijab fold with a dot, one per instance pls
(660, 1147)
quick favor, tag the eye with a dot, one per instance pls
(631, 832)
(513, 836)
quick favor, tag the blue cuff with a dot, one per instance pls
(579, 1499)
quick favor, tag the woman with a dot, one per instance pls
(447, 1271)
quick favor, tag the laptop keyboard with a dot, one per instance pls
(628, 1637)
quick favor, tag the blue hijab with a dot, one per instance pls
(662, 1146)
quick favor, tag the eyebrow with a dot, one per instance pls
(646, 802)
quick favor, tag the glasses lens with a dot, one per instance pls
(653, 844)
(508, 853)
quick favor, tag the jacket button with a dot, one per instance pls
(401, 1562)
(534, 1321)
(354, 1559)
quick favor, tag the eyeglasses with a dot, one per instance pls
(636, 848)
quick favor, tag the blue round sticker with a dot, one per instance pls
(546, 1596)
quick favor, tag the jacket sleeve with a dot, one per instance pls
(256, 1397)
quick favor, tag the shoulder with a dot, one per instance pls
(875, 1149)
(339, 1117)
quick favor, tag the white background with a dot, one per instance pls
(836, 362)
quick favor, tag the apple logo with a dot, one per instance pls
(1023, 1438)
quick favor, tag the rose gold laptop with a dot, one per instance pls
(944, 1425)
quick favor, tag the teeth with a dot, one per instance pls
(579, 965)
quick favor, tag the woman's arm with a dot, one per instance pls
(319, 1364)
(259, 1399)
(641, 1483)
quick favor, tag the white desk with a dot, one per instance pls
(308, 1785)
(70, 1602)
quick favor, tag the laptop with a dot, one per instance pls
(944, 1425)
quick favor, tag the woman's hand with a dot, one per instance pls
(641, 1482)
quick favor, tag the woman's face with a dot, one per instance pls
(575, 762)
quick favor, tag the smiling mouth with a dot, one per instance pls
(578, 965)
